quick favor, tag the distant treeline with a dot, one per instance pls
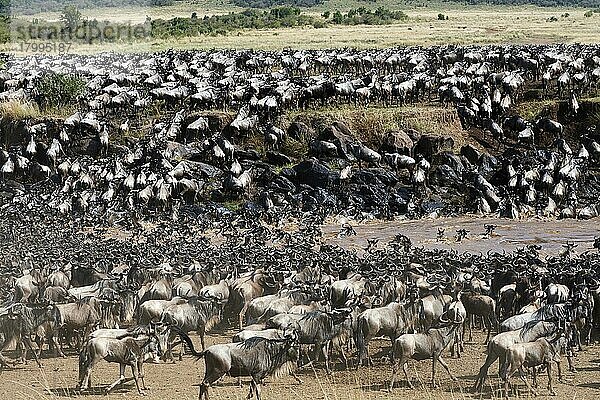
(541, 3)
(93, 31)
(272, 3)
(279, 17)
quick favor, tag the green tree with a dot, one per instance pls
(326, 14)
(71, 17)
(338, 18)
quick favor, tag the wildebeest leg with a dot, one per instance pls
(29, 345)
(570, 361)
(550, 389)
(201, 334)
(251, 389)
(57, 346)
(488, 326)
(243, 314)
(470, 321)
(395, 367)
(443, 363)
(524, 379)
(483, 371)
(140, 366)
(296, 377)
(137, 377)
(257, 389)
(344, 358)
(560, 375)
(120, 380)
(85, 382)
(405, 369)
(325, 351)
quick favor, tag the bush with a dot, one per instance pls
(441, 17)
(326, 14)
(588, 14)
(70, 17)
(59, 90)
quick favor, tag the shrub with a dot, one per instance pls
(441, 17)
(588, 14)
(326, 14)
(70, 17)
(59, 90)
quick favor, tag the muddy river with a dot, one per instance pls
(508, 235)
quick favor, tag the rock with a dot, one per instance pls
(251, 155)
(342, 127)
(278, 159)
(281, 184)
(471, 153)
(414, 135)
(300, 131)
(198, 169)
(429, 145)
(176, 150)
(453, 161)
(374, 176)
(433, 208)
(312, 172)
(444, 175)
(487, 165)
(340, 136)
(288, 173)
(397, 142)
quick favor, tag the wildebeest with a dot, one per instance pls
(255, 357)
(422, 346)
(391, 320)
(318, 328)
(499, 345)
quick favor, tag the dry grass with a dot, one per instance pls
(371, 124)
(466, 25)
(17, 110)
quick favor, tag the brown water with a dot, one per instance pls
(509, 234)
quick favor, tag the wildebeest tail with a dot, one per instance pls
(185, 338)
(359, 337)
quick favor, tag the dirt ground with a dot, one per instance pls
(180, 381)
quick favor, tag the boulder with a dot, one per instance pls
(444, 175)
(340, 135)
(429, 145)
(300, 131)
(180, 151)
(315, 174)
(471, 153)
(278, 159)
(397, 142)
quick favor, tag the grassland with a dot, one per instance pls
(465, 25)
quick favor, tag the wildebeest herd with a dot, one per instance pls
(296, 300)
(147, 136)
(119, 239)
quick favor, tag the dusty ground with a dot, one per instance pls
(180, 380)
